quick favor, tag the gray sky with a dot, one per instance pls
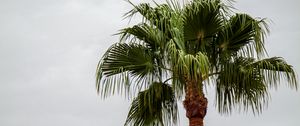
(49, 50)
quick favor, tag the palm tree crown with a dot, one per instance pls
(202, 42)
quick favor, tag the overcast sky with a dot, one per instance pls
(49, 50)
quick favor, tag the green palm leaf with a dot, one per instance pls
(150, 36)
(121, 62)
(243, 82)
(243, 34)
(202, 19)
(274, 69)
(158, 16)
(154, 106)
(239, 86)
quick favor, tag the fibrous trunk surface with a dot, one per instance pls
(195, 104)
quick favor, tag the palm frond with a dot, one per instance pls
(175, 5)
(158, 16)
(239, 86)
(192, 66)
(202, 20)
(172, 51)
(243, 34)
(243, 82)
(144, 9)
(149, 35)
(188, 65)
(274, 69)
(154, 106)
(120, 62)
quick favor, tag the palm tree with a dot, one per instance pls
(177, 50)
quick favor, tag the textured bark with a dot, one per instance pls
(196, 122)
(195, 104)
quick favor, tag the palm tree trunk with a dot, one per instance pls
(195, 104)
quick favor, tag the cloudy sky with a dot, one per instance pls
(49, 50)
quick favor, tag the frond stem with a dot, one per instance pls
(163, 68)
(211, 74)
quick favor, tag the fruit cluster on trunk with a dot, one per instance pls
(195, 104)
